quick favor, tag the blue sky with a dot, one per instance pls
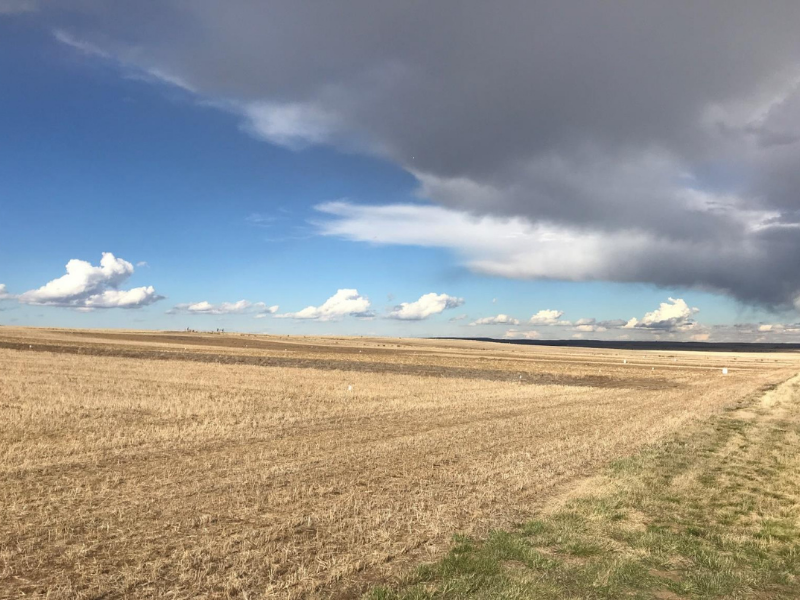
(99, 155)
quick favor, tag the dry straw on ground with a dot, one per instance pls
(145, 465)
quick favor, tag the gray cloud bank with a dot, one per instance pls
(659, 139)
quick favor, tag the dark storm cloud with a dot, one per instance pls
(675, 122)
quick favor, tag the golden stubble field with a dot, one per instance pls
(148, 465)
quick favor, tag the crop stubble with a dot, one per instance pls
(148, 465)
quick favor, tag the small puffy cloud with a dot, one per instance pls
(87, 287)
(700, 337)
(218, 309)
(459, 318)
(546, 317)
(293, 125)
(225, 308)
(499, 319)
(675, 309)
(673, 315)
(345, 302)
(132, 298)
(428, 305)
(265, 310)
(4, 295)
(525, 335)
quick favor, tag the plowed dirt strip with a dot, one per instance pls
(332, 364)
(121, 476)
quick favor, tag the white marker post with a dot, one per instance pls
(725, 370)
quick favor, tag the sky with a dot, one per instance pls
(529, 170)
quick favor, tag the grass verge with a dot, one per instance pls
(715, 513)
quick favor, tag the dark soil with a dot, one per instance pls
(331, 362)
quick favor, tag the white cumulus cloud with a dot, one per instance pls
(132, 298)
(547, 317)
(226, 308)
(3, 293)
(428, 305)
(501, 318)
(86, 286)
(345, 302)
(673, 315)
(590, 328)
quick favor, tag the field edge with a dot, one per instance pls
(713, 512)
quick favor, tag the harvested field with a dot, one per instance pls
(713, 513)
(180, 465)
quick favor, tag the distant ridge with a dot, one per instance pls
(639, 345)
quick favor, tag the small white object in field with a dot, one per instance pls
(31, 346)
(653, 369)
(624, 361)
(725, 371)
(349, 388)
